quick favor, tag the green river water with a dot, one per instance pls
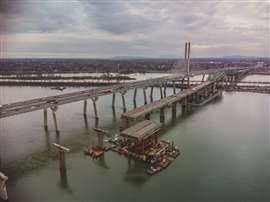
(224, 153)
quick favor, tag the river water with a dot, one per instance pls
(225, 152)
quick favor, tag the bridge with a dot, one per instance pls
(241, 86)
(53, 102)
(195, 96)
(202, 91)
(86, 81)
(7, 110)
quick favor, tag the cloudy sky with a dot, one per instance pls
(157, 28)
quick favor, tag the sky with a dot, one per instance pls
(141, 28)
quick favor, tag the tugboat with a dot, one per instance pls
(94, 152)
(153, 170)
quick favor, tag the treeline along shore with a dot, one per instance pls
(122, 66)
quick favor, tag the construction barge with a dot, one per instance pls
(141, 142)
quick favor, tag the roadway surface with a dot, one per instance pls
(7, 110)
(167, 101)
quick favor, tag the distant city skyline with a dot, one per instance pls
(106, 29)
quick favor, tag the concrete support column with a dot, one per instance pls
(174, 88)
(162, 115)
(161, 93)
(214, 88)
(3, 188)
(205, 93)
(222, 84)
(188, 81)
(165, 88)
(182, 83)
(124, 101)
(84, 107)
(45, 118)
(135, 95)
(203, 77)
(113, 100)
(54, 109)
(184, 106)
(62, 158)
(174, 111)
(151, 94)
(94, 99)
(144, 95)
(62, 161)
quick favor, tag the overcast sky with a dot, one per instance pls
(107, 28)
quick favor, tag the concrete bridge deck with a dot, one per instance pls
(7, 110)
(167, 101)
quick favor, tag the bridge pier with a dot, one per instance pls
(174, 88)
(165, 88)
(182, 83)
(203, 77)
(84, 107)
(113, 100)
(144, 95)
(54, 109)
(162, 115)
(86, 122)
(161, 93)
(214, 87)
(184, 106)
(205, 93)
(45, 119)
(151, 94)
(62, 158)
(135, 95)
(3, 187)
(94, 99)
(114, 114)
(188, 82)
(124, 101)
(135, 105)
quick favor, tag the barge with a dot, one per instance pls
(140, 142)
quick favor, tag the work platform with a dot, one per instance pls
(141, 130)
